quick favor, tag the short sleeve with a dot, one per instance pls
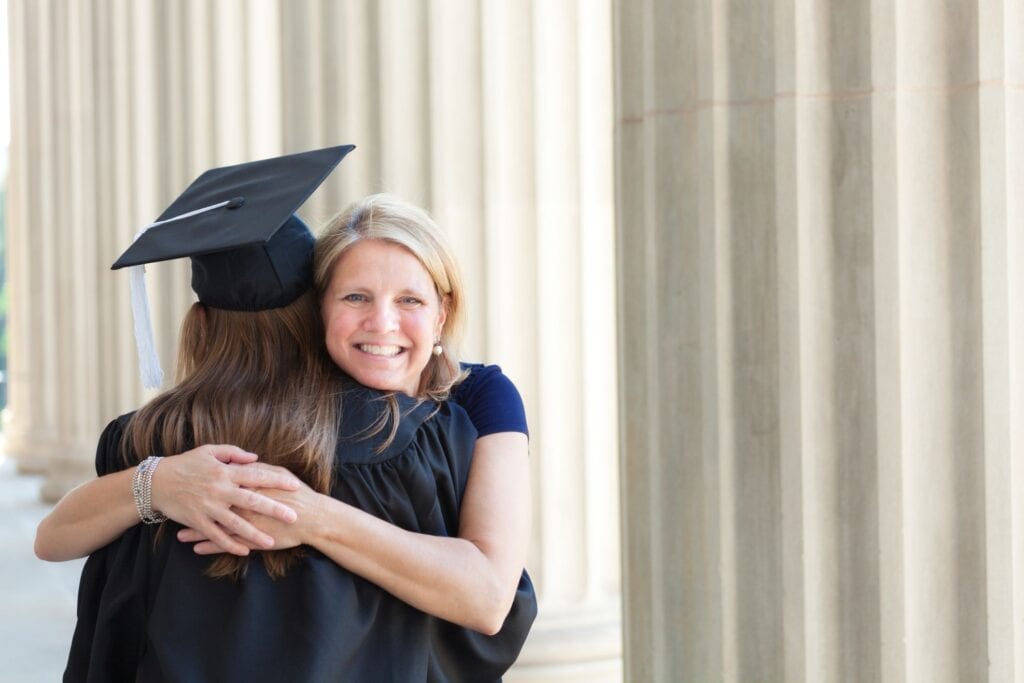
(491, 400)
(108, 450)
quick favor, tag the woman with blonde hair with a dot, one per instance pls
(392, 304)
(382, 267)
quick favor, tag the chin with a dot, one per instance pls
(374, 380)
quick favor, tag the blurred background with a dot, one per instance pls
(754, 264)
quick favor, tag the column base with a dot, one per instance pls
(31, 450)
(62, 476)
(582, 644)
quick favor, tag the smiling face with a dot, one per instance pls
(382, 315)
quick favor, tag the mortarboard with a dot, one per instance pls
(249, 251)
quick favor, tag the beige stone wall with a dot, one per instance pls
(497, 116)
(820, 245)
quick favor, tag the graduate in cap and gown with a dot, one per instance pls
(311, 527)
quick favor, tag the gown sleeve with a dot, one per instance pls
(108, 634)
(461, 654)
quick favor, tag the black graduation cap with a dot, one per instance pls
(249, 250)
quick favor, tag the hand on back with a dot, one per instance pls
(306, 503)
(211, 487)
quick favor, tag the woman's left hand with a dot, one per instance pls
(307, 504)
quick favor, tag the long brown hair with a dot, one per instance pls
(259, 380)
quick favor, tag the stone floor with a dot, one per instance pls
(37, 599)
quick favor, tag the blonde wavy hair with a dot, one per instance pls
(260, 380)
(389, 219)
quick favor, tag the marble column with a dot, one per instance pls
(819, 228)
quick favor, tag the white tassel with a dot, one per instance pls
(149, 361)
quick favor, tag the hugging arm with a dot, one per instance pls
(469, 580)
(197, 488)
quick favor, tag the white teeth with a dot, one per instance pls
(375, 350)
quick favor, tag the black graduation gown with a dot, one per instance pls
(147, 612)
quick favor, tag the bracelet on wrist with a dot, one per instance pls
(142, 491)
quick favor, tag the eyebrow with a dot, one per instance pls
(402, 292)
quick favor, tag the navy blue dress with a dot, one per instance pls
(491, 400)
(147, 612)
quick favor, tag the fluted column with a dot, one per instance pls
(32, 435)
(565, 313)
(819, 223)
(496, 116)
(52, 225)
(115, 110)
(22, 435)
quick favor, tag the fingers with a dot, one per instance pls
(262, 476)
(227, 453)
(248, 499)
(224, 541)
(204, 546)
(222, 526)
(207, 548)
(195, 536)
(190, 535)
(230, 522)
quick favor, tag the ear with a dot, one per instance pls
(442, 316)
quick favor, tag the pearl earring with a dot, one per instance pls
(438, 349)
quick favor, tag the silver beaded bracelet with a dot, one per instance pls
(142, 491)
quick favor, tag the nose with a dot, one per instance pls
(381, 318)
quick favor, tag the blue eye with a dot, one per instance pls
(355, 298)
(410, 301)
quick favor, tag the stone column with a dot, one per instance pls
(53, 229)
(818, 224)
(24, 395)
(549, 268)
(113, 115)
